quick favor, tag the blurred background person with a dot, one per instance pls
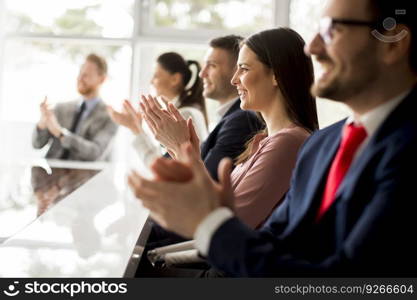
(80, 129)
(176, 81)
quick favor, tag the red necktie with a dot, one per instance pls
(352, 138)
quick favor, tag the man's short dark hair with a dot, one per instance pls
(402, 12)
(99, 61)
(230, 43)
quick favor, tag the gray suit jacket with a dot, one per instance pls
(92, 141)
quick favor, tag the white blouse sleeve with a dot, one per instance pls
(198, 121)
(146, 149)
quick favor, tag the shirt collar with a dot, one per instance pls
(222, 109)
(374, 118)
(90, 103)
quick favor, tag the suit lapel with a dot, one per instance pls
(329, 146)
(354, 172)
(206, 145)
(383, 133)
(317, 180)
(68, 114)
(85, 124)
(233, 108)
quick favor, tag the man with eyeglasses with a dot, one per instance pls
(351, 206)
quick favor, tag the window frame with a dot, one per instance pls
(142, 34)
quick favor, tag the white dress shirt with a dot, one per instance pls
(372, 120)
(89, 106)
(222, 109)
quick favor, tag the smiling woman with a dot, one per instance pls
(273, 78)
(253, 81)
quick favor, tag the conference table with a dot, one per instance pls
(69, 219)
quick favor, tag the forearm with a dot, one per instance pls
(41, 125)
(225, 241)
(366, 248)
(40, 137)
(244, 252)
(208, 227)
(81, 147)
(146, 149)
(89, 149)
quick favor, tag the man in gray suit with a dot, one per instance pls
(81, 129)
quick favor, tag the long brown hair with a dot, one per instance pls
(192, 95)
(282, 50)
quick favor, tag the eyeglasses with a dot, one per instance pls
(326, 26)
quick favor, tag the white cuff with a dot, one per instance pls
(65, 139)
(208, 227)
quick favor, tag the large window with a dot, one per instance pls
(47, 40)
(304, 17)
(239, 16)
(43, 43)
(103, 18)
(35, 69)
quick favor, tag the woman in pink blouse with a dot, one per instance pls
(273, 78)
(260, 183)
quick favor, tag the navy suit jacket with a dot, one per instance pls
(368, 231)
(229, 137)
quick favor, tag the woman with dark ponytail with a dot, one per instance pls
(175, 81)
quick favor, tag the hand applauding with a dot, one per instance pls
(183, 193)
(129, 117)
(168, 126)
(48, 119)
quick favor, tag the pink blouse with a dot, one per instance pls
(261, 182)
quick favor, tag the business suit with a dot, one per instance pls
(229, 137)
(90, 143)
(367, 231)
